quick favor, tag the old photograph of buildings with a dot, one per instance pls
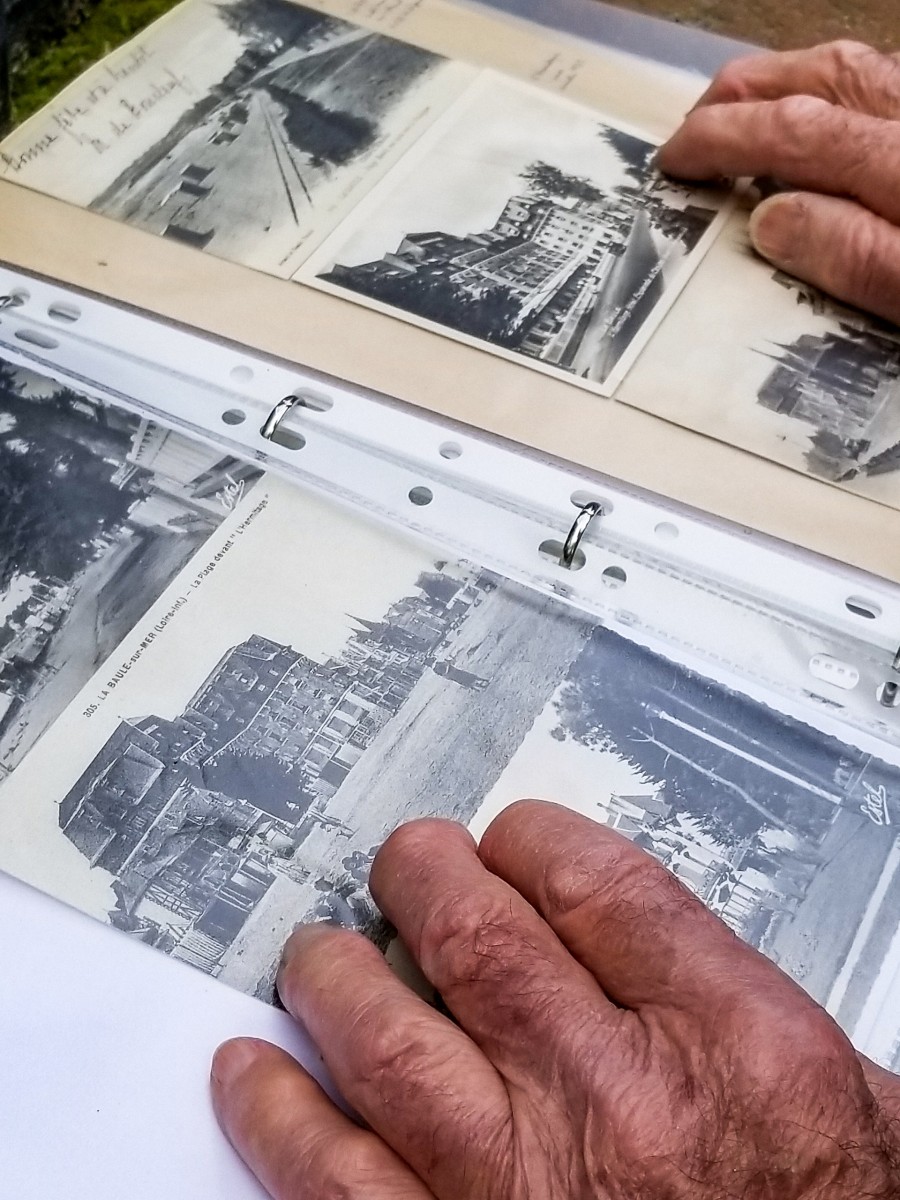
(844, 386)
(771, 364)
(240, 777)
(99, 510)
(243, 127)
(529, 226)
(312, 108)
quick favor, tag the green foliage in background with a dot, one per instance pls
(46, 70)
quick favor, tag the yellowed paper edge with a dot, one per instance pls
(378, 353)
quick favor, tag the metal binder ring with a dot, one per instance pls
(277, 415)
(579, 528)
(11, 301)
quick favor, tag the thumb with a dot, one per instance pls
(835, 244)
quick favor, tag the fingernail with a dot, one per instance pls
(302, 936)
(660, 157)
(296, 944)
(776, 224)
(231, 1060)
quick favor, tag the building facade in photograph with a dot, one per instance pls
(840, 383)
(197, 816)
(534, 254)
(565, 275)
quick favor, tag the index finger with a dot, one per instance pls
(803, 142)
(843, 72)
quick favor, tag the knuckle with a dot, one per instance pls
(799, 126)
(845, 55)
(794, 116)
(626, 883)
(390, 1060)
(649, 889)
(338, 1169)
(864, 78)
(803, 1043)
(469, 939)
(731, 82)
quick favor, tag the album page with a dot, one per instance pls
(505, 235)
(221, 693)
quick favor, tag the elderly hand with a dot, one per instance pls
(827, 123)
(614, 1041)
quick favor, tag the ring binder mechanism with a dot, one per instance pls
(11, 301)
(811, 637)
(588, 513)
(270, 426)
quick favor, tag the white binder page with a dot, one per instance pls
(106, 1047)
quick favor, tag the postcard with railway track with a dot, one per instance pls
(517, 220)
(232, 767)
(242, 127)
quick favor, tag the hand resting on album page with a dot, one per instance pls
(825, 122)
(613, 1040)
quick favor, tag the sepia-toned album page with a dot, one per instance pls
(575, 309)
(366, 348)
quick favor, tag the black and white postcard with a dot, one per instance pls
(233, 767)
(99, 511)
(773, 365)
(529, 226)
(243, 127)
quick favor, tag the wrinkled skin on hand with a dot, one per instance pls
(825, 122)
(614, 1041)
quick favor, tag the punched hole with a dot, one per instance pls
(35, 337)
(888, 694)
(614, 577)
(66, 313)
(450, 450)
(552, 549)
(314, 401)
(667, 531)
(241, 373)
(287, 438)
(580, 498)
(234, 416)
(421, 496)
(861, 607)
